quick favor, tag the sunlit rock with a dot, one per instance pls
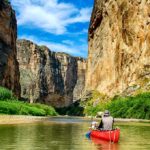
(119, 45)
(48, 77)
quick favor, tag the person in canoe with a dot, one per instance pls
(106, 121)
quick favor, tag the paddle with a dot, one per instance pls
(88, 134)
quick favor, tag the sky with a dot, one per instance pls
(61, 25)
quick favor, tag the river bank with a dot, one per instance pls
(19, 119)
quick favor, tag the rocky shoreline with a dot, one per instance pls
(125, 120)
(131, 120)
(18, 119)
(21, 119)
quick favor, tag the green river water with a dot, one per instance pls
(69, 134)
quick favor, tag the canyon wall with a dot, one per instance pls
(119, 46)
(9, 69)
(48, 77)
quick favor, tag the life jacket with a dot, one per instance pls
(107, 122)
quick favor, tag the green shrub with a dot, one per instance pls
(47, 109)
(95, 103)
(21, 108)
(120, 107)
(5, 93)
(11, 105)
(131, 107)
(30, 110)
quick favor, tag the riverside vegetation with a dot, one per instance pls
(137, 106)
(11, 105)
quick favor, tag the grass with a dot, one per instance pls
(12, 106)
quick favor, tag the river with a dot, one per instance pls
(69, 134)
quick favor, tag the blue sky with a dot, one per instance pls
(62, 25)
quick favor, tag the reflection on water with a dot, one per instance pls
(69, 134)
(104, 145)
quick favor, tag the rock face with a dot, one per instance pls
(9, 69)
(119, 45)
(48, 77)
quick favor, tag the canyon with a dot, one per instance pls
(118, 57)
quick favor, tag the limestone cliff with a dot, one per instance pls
(119, 46)
(9, 70)
(49, 77)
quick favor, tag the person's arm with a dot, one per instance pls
(100, 125)
(113, 124)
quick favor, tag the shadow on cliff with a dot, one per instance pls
(73, 110)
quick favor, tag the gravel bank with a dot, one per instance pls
(15, 119)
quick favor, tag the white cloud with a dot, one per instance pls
(49, 15)
(66, 46)
(68, 42)
(83, 16)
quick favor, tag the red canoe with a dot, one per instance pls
(112, 135)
